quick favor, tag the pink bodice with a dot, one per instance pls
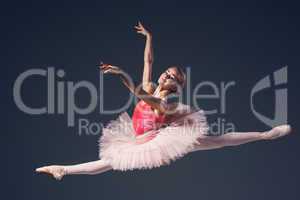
(145, 119)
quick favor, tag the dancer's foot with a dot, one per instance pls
(276, 132)
(56, 171)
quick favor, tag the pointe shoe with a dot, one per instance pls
(277, 132)
(54, 170)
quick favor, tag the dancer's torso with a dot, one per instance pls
(145, 119)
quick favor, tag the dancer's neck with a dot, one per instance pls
(160, 92)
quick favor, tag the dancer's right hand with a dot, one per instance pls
(107, 68)
(57, 171)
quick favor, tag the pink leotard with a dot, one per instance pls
(145, 119)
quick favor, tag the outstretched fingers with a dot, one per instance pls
(141, 29)
(105, 67)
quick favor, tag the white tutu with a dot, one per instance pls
(120, 147)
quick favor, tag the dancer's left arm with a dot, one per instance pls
(148, 58)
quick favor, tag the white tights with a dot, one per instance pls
(91, 168)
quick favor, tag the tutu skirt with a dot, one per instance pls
(123, 150)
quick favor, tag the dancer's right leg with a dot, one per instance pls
(90, 168)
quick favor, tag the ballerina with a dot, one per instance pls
(160, 130)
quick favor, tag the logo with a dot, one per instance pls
(281, 97)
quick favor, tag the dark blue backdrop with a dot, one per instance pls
(221, 41)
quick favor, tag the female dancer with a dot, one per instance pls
(160, 131)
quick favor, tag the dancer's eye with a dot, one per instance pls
(172, 77)
(169, 75)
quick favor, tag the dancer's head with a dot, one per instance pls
(173, 79)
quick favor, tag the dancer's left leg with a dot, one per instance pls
(90, 168)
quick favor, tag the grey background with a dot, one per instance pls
(221, 41)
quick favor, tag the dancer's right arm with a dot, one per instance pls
(139, 92)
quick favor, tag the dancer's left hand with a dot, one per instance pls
(141, 29)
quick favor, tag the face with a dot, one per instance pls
(169, 79)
